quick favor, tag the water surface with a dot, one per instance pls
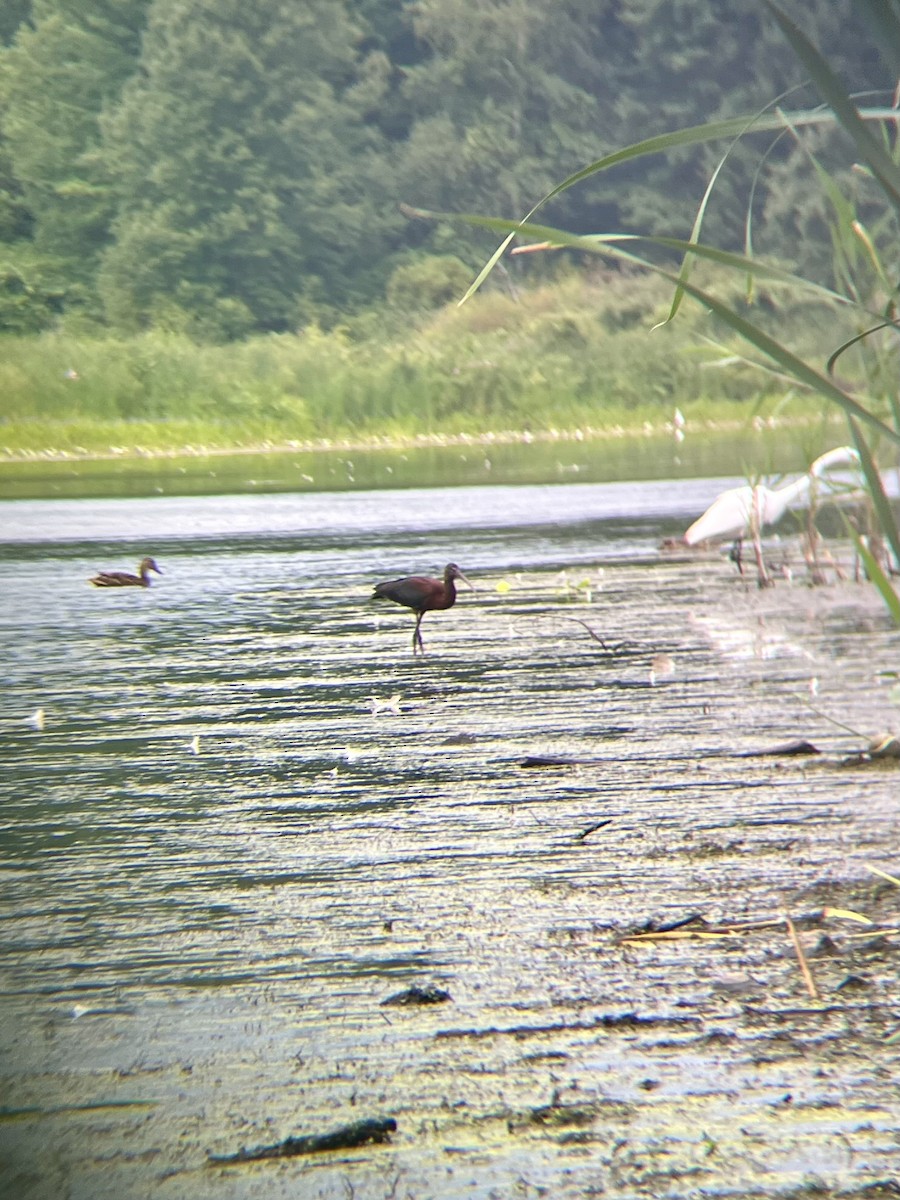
(540, 460)
(238, 815)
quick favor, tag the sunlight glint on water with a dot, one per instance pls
(248, 814)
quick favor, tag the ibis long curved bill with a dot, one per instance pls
(423, 594)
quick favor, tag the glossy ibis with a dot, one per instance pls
(422, 594)
(124, 579)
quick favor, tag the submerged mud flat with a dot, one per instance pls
(249, 816)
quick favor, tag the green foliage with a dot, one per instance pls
(239, 156)
(231, 169)
(508, 98)
(56, 78)
(12, 14)
(24, 307)
(555, 358)
(15, 218)
(864, 266)
(428, 282)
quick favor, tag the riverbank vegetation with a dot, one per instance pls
(859, 376)
(211, 227)
(578, 353)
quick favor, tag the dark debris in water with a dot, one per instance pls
(360, 1133)
(782, 749)
(419, 995)
(586, 833)
(789, 749)
(625, 1020)
(558, 1114)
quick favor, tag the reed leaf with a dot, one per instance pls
(833, 92)
(799, 369)
(592, 242)
(846, 914)
(883, 874)
(884, 18)
(694, 135)
(732, 127)
(686, 261)
(855, 340)
(862, 235)
(876, 491)
(876, 574)
(608, 244)
(845, 244)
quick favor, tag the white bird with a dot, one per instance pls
(742, 510)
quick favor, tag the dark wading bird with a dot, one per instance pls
(422, 595)
(124, 579)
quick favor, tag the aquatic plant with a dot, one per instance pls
(862, 296)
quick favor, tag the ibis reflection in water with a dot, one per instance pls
(107, 579)
(422, 594)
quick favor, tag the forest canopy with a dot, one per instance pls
(223, 169)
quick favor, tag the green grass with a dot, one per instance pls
(577, 354)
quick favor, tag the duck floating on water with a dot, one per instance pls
(125, 579)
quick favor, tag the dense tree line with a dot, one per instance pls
(226, 168)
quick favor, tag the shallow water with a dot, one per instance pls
(492, 461)
(247, 815)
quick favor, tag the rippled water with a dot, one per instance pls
(238, 813)
(261, 640)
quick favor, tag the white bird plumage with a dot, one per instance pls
(749, 509)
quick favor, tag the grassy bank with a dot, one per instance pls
(579, 355)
